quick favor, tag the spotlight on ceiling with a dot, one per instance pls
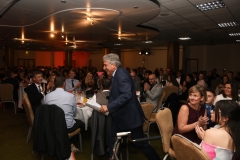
(184, 38)
(51, 35)
(62, 36)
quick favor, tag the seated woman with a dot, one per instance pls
(50, 86)
(191, 114)
(89, 85)
(187, 84)
(230, 92)
(220, 88)
(171, 81)
(223, 143)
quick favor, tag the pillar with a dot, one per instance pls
(173, 56)
(9, 57)
(68, 58)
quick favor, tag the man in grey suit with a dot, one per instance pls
(152, 92)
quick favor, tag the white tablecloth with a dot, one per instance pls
(83, 114)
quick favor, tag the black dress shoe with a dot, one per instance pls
(19, 110)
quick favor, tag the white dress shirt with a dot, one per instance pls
(69, 84)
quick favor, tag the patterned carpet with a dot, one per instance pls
(13, 134)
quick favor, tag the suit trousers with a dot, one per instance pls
(136, 133)
(78, 124)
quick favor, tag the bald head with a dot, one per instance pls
(152, 79)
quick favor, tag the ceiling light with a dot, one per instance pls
(118, 44)
(234, 34)
(135, 7)
(147, 52)
(88, 18)
(148, 42)
(229, 24)
(211, 5)
(63, 1)
(52, 35)
(62, 36)
(140, 52)
(238, 40)
(184, 38)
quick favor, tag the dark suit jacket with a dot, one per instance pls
(15, 84)
(34, 96)
(50, 132)
(123, 104)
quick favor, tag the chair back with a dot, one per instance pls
(161, 100)
(165, 126)
(147, 110)
(168, 90)
(215, 83)
(6, 92)
(186, 149)
(28, 109)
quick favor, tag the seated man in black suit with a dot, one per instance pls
(35, 91)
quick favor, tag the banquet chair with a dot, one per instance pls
(77, 131)
(168, 90)
(147, 110)
(186, 149)
(152, 118)
(29, 113)
(165, 126)
(6, 95)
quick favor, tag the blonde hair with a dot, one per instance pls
(90, 83)
(201, 90)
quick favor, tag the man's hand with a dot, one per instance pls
(103, 109)
(146, 86)
(78, 84)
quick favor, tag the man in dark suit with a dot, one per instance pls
(10, 80)
(123, 106)
(35, 91)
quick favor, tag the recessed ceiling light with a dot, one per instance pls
(184, 38)
(234, 34)
(211, 5)
(229, 24)
(118, 44)
(147, 42)
(135, 7)
(238, 40)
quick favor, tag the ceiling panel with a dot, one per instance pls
(186, 10)
(180, 4)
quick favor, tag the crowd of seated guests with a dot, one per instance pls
(192, 89)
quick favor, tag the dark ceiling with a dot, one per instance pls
(28, 24)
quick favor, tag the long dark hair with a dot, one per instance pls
(231, 110)
(234, 91)
(173, 80)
